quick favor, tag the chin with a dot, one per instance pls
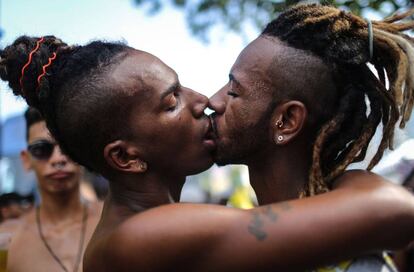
(63, 187)
(228, 155)
(200, 168)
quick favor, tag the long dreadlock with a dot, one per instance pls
(341, 40)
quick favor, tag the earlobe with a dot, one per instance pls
(279, 139)
(124, 157)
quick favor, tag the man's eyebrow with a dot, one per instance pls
(232, 78)
(170, 90)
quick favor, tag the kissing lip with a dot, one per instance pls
(213, 126)
(208, 134)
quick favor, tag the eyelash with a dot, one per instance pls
(173, 108)
(233, 94)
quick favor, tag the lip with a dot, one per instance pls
(209, 136)
(213, 125)
(59, 175)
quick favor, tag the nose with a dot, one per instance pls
(218, 102)
(200, 103)
(58, 159)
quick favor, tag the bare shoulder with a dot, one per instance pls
(25, 227)
(25, 234)
(373, 188)
(361, 179)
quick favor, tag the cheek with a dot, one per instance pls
(168, 137)
(43, 184)
(234, 117)
(77, 170)
(181, 136)
(39, 168)
(250, 112)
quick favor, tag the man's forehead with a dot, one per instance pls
(256, 57)
(142, 70)
(270, 57)
(255, 60)
(38, 131)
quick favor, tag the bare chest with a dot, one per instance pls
(59, 244)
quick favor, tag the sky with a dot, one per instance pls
(202, 67)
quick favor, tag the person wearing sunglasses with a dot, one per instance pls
(53, 236)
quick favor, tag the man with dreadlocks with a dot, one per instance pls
(110, 108)
(295, 108)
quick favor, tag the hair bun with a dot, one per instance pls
(23, 62)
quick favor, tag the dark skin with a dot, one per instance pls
(261, 93)
(141, 229)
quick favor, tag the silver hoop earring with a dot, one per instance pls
(279, 123)
(143, 166)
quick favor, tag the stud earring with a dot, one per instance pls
(279, 123)
(280, 138)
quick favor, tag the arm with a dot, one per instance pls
(288, 236)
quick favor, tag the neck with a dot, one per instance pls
(278, 175)
(132, 195)
(61, 206)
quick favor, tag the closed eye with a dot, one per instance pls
(173, 101)
(233, 94)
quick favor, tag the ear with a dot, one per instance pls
(124, 156)
(26, 161)
(287, 121)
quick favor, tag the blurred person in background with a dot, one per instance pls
(53, 236)
(13, 205)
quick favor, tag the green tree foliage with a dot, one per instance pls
(201, 15)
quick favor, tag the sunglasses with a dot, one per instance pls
(42, 149)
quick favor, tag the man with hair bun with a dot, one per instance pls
(123, 113)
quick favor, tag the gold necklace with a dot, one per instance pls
(81, 241)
